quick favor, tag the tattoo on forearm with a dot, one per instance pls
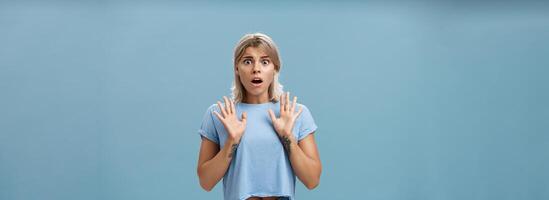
(286, 143)
(233, 150)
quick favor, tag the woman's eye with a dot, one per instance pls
(265, 62)
(247, 62)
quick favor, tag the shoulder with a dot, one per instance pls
(214, 107)
(210, 110)
(305, 108)
(305, 113)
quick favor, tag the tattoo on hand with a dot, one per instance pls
(286, 143)
(233, 150)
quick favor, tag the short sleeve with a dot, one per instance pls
(207, 129)
(307, 123)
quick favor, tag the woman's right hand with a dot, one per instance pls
(234, 126)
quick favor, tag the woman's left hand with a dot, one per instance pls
(285, 123)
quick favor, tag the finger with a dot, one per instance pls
(282, 102)
(218, 116)
(287, 101)
(272, 115)
(244, 117)
(222, 109)
(283, 105)
(293, 104)
(227, 106)
(299, 112)
(232, 106)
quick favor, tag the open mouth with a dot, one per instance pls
(257, 81)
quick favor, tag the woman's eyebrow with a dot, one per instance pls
(253, 57)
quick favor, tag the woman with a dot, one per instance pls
(259, 140)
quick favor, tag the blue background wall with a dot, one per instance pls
(423, 100)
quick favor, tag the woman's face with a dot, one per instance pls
(256, 72)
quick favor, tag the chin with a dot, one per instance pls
(256, 91)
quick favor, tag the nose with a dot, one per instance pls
(257, 68)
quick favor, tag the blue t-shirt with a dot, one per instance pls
(261, 167)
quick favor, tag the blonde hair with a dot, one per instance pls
(265, 43)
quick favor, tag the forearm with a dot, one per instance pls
(213, 170)
(306, 168)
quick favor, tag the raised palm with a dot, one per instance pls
(288, 115)
(234, 126)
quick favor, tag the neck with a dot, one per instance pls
(252, 99)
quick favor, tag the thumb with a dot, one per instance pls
(244, 117)
(272, 115)
(299, 112)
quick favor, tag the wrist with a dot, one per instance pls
(290, 137)
(231, 146)
(288, 141)
(233, 140)
(285, 133)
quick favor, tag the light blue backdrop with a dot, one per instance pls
(424, 100)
